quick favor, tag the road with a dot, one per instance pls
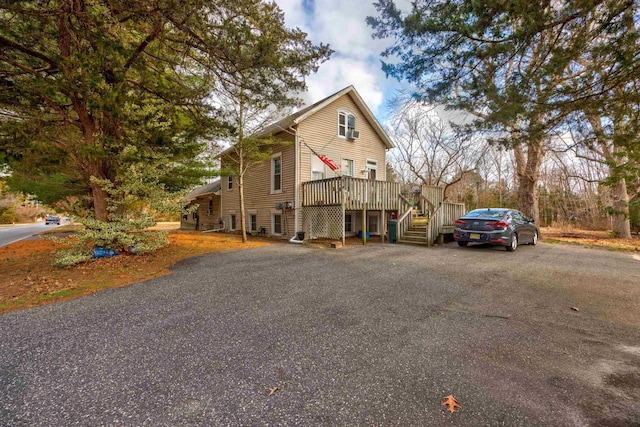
(14, 233)
(375, 336)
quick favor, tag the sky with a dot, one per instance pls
(356, 61)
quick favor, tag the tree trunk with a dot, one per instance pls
(621, 223)
(243, 219)
(528, 173)
(100, 198)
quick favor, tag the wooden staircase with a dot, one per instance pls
(428, 219)
(417, 233)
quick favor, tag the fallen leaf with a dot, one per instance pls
(575, 309)
(452, 402)
(273, 390)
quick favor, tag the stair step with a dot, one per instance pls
(417, 238)
(414, 235)
(412, 242)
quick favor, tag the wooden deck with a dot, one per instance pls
(353, 192)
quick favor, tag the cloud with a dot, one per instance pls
(341, 72)
(355, 62)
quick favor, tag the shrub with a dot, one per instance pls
(8, 215)
(121, 235)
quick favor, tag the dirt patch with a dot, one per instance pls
(29, 280)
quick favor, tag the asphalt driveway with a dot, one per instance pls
(374, 335)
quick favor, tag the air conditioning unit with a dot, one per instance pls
(353, 134)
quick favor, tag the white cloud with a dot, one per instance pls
(355, 62)
(341, 72)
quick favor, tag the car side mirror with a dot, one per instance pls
(531, 220)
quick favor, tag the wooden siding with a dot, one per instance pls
(257, 191)
(206, 220)
(320, 132)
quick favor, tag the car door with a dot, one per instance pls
(523, 227)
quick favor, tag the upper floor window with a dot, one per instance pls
(230, 183)
(276, 173)
(346, 123)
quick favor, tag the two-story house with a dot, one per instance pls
(327, 178)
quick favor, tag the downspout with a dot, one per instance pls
(296, 203)
(296, 185)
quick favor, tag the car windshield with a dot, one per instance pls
(485, 214)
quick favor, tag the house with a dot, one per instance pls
(207, 214)
(327, 178)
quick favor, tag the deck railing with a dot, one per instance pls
(354, 192)
(405, 216)
(451, 212)
(443, 216)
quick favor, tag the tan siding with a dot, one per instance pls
(320, 132)
(257, 190)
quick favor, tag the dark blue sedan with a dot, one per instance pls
(496, 226)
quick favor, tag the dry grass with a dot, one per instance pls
(29, 280)
(601, 239)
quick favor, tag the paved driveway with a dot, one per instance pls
(374, 335)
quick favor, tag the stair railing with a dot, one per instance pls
(434, 226)
(405, 220)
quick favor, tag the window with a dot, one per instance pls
(317, 168)
(346, 122)
(230, 183)
(373, 224)
(347, 167)
(210, 208)
(253, 222)
(233, 222)
(277, 224)
(276, 173)
(348, 223)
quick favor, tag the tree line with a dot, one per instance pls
(540, 78)
(106, 105)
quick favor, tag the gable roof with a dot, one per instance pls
(301, 115)
(203, 190)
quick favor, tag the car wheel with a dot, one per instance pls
(534, 240)
(514, 243)
(462, 244)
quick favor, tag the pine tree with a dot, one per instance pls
(518, 66)
(89, 90)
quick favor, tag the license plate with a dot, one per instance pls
(474, 235)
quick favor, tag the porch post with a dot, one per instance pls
(364, 223)
(342, 184)
(364, 213)
(384, 224)
(384, 212)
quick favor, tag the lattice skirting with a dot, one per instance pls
(323, 222)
